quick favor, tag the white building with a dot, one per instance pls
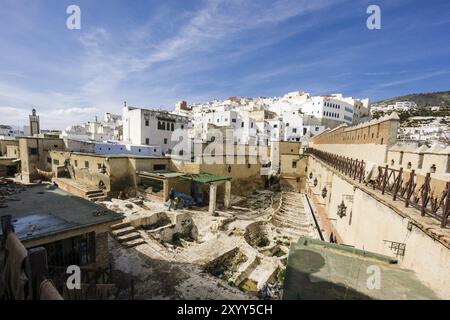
(152, 127)
(108, 129)
(6, 131)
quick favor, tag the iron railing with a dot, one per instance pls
(401, 185)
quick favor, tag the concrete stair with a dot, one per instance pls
(96, 195)
(126, 235)
(291, 216)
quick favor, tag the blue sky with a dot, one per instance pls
(154, 53)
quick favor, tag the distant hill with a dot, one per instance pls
(422, 99)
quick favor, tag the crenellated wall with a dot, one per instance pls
(368, 141)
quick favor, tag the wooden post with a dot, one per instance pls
(385, 175)
(410, 188)
(424, 194)
(38, 269)
(446, 207)
(398, 184)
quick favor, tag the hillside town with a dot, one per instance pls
(221, 200)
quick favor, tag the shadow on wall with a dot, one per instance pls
(303, 285)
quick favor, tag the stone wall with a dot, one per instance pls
(372, 222)
(381, 131)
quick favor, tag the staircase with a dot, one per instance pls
(80, 190)
(126, 235)
(95, 195)
(292, 217)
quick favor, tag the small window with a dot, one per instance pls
(275, 126)
(294, 130)
(139, 150)
(56, 162)
(147, 141)
(99, 165)
(172, 127)
(159, 167)
(165, 140)
(229, 169)
(233, 120)
(409, 165)
(86, 164)
(249, 165)
(55, 145)
(180, 153)
(33, 151)
(76, 163)
(182, 126)
(147, 123)
(242, 124)
(294, 164)
(49, 160)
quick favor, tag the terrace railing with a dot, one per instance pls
(414, 190)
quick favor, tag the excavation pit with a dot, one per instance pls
(227, 265)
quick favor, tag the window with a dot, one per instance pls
(294, 164)
(86, 164)
(409, 165)
(251, 125)
(182, 126)
(55, 145)
(147, 141)
(76, 163)
(242, 124)
(249, 165)
(49, 160)
(233, 120)
(180, 153)
(159, 167)
(165, 140)
(56, 162)
(275, 126)
(287, 124)
(99, 165)
(147, 123)
(32, 151)
(294, 130)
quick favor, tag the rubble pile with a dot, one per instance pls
(8, 191)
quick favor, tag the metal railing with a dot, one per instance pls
(401, 185)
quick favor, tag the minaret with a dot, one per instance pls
(34, 123)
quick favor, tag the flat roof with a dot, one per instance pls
(111, 155)
(43, 210)
(325, 271)
(205, 177)
(160, 174)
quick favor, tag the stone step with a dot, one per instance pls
(123, 231)
(95, 199)
(96, 191)
(120, 225)
(128, 237)
(133, 243)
